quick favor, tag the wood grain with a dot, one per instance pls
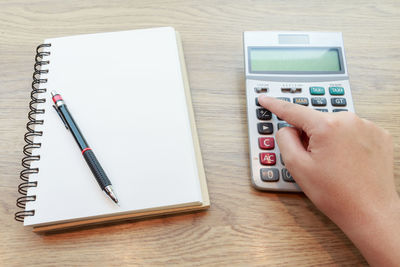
(243, 226)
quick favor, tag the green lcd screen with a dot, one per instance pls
(295, 60)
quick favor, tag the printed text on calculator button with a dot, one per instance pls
(267, 158)
(318, 101)
(317, 90)
(336, 90)
(269, 174)
(264, 114)
(266, 142)
(301, 101)
(338, 101)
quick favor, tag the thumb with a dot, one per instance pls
(294, 154)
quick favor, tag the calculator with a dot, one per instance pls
(305, 68)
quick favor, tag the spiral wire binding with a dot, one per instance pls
(31, 133)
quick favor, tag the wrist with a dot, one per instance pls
(373, 231)
(372, 215)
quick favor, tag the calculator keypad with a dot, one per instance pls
(268, 168)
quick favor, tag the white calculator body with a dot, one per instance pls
(307, 68)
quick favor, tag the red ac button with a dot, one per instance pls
(266, 142)
(267, 158)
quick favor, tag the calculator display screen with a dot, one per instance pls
(297, 60)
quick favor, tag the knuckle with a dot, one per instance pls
(334, 121)
(329, 124)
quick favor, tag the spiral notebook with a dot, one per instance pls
(129, 93)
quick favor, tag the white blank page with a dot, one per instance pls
(125, 92)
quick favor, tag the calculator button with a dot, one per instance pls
(257, 103)
(267, 158)
(266, 142)
(291, 90)
(283, 124)
(261, 89)
(318, 101)
(287, 99)
(283, 163)
(287, 177)
(265, 128)
(317, 90)
(339, 110)
(322, 109)
(264, 114)
(336, 90)
(301, 101)
(269, 174)
(338, 101)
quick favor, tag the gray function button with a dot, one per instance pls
(283, 163)
(301, 101)
(322, 109)
(338, 101)
(265, 128)
(339, 110)
(269, 174)
(318, 101)
(257, 103)
(283, 124)
(264, 114)
(287, 177)
(260, 89)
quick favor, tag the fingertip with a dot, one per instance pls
(263, 99)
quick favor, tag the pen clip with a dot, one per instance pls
(62, 118)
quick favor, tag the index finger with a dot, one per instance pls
(297, 115)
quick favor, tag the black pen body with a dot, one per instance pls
(90, 158)
(73, 127)
(87, 152)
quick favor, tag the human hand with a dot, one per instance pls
(344, 164)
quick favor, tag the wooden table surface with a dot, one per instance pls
(243, 226)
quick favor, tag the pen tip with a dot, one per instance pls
(53, 93)
(110, 192)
